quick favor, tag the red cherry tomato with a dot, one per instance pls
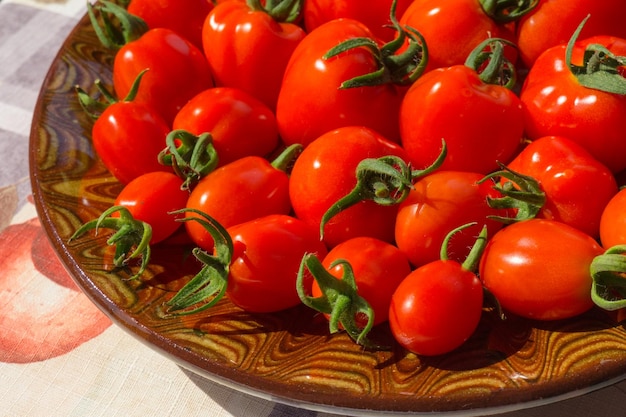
(325, 172)
(128, 137)
(378, 268)
(577, 187)
(481, 123)
(310, 102)
(151, 197)
(539, 269)
(266, 261)
(553, 22)
(439, 203)
(239, 124)
(236, 193)
(613, 221)
(183, 17)
(557, 104)
(249, 49)
(177, 70)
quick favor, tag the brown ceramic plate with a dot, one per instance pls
(289, 356)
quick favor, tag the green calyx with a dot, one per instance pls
(600, 69)
(386, 181)
(284, 161)
(282, 11)
(505, 11)
(521, 193)
(340, 299)
(473, 258)
(492, 66)
(192, 157)
(116, 26)
(131, 239)
(608, 273)
(207, 287)
(393, 67)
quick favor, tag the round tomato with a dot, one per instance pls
(325, 172)
(613, 221)
(552, 23)
(539, 269)
(439, 203)
(577, 187)
(249, 48)
(556, 103)
(240, 125)
(151, 197)
(266, 260)
(177, 70)
(481, 123)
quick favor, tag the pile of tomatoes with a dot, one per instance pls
(381, 161)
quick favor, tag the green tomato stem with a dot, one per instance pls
(287, 157)
(115, 35)
(505, 11)
(498, 70)
(608, 273)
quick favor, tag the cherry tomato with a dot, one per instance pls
(128, 137)
(249, 48)
(481, 123)
(183, 17)
(439, 203)
(177, 70)
(375, 15)
(552, 23)
(378, 268)
(613, 221)
(452, 29)
(239, 124)
(577, 187)
(539, 269)
(310, 102)
(266, 261)
(557, 104)
(325, 172)
(151, 197)
(236, 193)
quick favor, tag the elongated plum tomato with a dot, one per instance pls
(378, 268)
(539, 269)
(266, 260)
(613, 221)
(151, 197)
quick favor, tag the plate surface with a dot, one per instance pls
(288, 356)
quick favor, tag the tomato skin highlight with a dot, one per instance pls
(151, 197)
(378, 267)
(613, 221)
(539, 269)
(480, 123)
(266, 260)
(576, 185)
(325, 172)
(239, 124)
(555, 104)
(436, 308)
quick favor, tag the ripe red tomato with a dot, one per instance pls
(613, 221)
(183, 17)
(577, 187)
(177, 70)
(378, 268)
(266, 260)
(481, 123)
(553, 22)
(539, 269)
(249, 49)
(151, 197)
(128, 137)
(557, 104)
(439, 203)
(325, 172)
(375, 15)
(452, 29)
(310, 102)
(236, 193)
(239, 124)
